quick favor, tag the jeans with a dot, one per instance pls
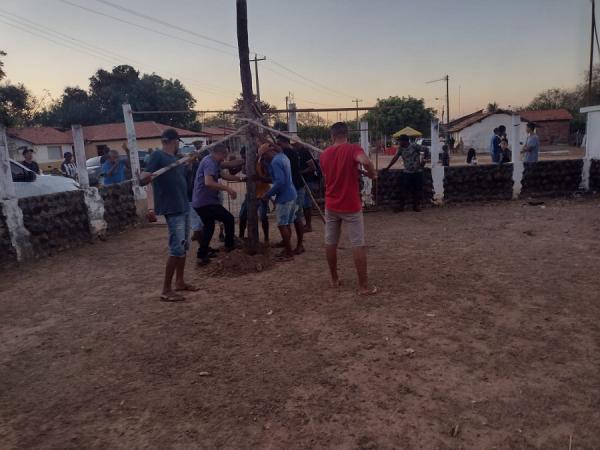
(209, 214)
(179, 231)
(411, 186)
(286, 212)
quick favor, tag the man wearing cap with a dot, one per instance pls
(295, 168)
(68, 167)
(206, 202)
(29, 162)
(171, 201)
(412, 178)
(531, 149)
(282, 188)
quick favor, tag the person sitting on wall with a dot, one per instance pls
(506, 153)
(472, 157)
(113, 169)
(29, 162)
(495, 151)
(445, 156)
(68, 167)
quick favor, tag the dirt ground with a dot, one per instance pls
(485, 334)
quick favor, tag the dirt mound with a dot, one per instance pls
(239, 262)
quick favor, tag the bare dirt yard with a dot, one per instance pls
(485, 334)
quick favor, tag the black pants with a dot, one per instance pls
(209, 214)
(411, 187)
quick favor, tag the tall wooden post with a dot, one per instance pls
(248, 97)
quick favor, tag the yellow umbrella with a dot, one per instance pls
(410, 132)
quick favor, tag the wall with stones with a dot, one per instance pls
(8, 255)
(551, 178)
(478, 183)
(55, 222)
(595, 175)
(119, 206)
(388, 188)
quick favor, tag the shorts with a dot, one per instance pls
(195, 220)
(354, 227)
(301, 195)
(179, 231)
(314, 187)
(286, 213)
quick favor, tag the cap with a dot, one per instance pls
(68, 154)
(531, 125)
(404, 138)
(170, 134)
(27, 150)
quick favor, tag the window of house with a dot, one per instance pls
(54, 153)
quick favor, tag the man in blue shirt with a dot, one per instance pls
(531, 149)
(283, 189)
(113, 169)
(206, 202)
(171, 201)
(495, 150)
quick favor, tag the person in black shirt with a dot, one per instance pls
(294, 158)
(506, 154)
(445, 156)
(308, 171)
(471, 157)
(29, 162)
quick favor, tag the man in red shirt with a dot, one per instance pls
(340, 166)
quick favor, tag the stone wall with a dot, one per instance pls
(595, 175)
(551, 178)
(388, 188)
(478, 183)
(119, 206)
(55, 222)
(8, 255)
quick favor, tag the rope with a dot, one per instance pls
(192, 155)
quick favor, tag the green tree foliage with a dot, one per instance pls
(102, 102)
(394, 113)
(16, 103)
(493, 107)
(2, 73)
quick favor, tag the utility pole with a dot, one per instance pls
(256, 61)
(592, 52)
(357, 101)
(447, 80)
(248, 101)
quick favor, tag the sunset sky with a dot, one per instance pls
(504, 51)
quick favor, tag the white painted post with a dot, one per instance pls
(139, 193)
(367, 193)
(79, 145)
(293, 120)
(437, 170)
(518, 166)
(7, 188)
(19, 236)
(592, 142)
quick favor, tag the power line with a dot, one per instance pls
(171, 25)
(72, 43)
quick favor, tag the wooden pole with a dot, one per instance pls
(592, 53)
(248, 97)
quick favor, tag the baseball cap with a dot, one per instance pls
(170, 134)
(27, 150)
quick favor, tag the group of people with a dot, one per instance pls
(284, 172)
(500, 151)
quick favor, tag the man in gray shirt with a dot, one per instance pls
(531, 149)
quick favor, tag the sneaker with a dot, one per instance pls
(203, 261)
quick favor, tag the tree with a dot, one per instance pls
(493, 107)
(2, 73)
(102, 102)
(265, 108)
(15, 105)
(394, 113)
(571, 99)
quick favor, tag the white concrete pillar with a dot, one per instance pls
(293, 120)
(518, 167)
(367, 193)
(79, 146)
(19, 236)
(592, 142)
(139, 193)
(437, 170)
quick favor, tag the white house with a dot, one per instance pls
(476, 129)
(49, 145)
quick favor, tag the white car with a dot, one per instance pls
(30, 184)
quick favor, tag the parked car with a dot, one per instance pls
(425, 142)
(30, 184)
(94, 167)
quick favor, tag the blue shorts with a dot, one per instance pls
(314, 187)
(286, 213)
(195, 220)
(179, 231)
(301, 192)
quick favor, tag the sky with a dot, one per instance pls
(332, 51)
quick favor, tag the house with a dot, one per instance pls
(554, 125)
(476, 129)
(217, 133)
(113, 136)
(48, 143)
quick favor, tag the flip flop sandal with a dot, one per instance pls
(188, 288)
(373, 291)
(172, 297)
